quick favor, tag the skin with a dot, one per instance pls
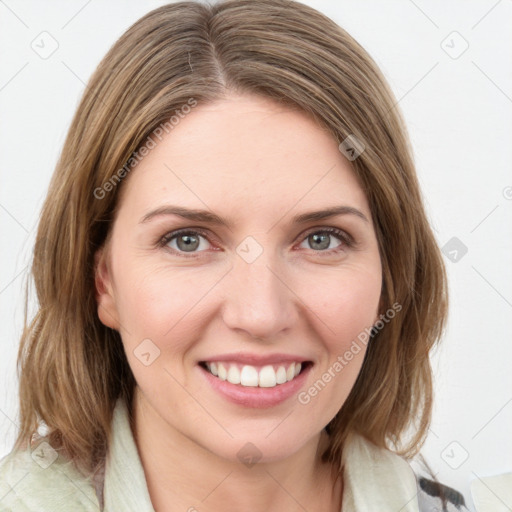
(257, 164)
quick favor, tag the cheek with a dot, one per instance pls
(346, 304)
(153, 301)
(160, 313)
(156, 303)
(346, 307)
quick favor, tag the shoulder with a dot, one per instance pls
(390, 479)
(41, 480)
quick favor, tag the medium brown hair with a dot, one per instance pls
(72, 368)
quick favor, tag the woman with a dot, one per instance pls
(238, 285)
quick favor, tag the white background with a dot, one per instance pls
(458, 112)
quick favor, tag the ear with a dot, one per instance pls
(105, 298)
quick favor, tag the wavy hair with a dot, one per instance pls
(72, 368)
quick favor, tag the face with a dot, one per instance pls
(213, 267)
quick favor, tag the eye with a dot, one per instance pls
(320, 240)
(185, 241)
(189, 242)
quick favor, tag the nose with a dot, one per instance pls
(258, 300)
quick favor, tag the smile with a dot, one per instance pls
(246, 375)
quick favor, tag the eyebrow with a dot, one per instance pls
(209, 217)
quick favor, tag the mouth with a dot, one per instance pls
(252, 376)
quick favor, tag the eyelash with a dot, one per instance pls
(345, 238)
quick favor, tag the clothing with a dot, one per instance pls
(374, 479)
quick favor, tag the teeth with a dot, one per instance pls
(249, 376)
(267, 377)
(234, 375)
(290, 373)
(281, 375)
(222, 372)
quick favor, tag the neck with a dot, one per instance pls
(183, 475)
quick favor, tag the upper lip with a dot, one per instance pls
(255, 359)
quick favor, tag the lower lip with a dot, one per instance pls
(256, 397)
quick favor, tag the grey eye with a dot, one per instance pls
(187, 242)
(321, 240)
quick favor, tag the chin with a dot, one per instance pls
(266, 445)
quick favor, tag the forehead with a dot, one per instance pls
(245, 153)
